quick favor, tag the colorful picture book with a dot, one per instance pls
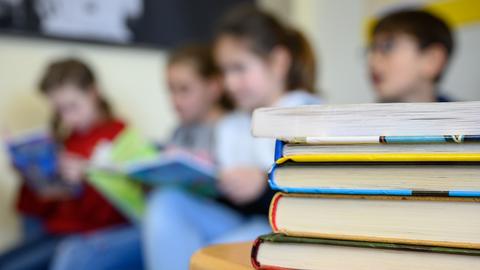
(127, 195)
(34, 155)
(171, 168)
(124, 169)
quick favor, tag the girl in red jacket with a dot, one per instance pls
(82, 118)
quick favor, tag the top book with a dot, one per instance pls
(364, 123)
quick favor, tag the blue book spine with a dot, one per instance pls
(377, 192)
(278, 149)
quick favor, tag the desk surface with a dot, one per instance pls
(226, 256)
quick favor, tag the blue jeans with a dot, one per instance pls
(112, 248)
(32, 228)
(178, 223)
(35, 251)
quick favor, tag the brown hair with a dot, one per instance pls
(427, 28)
(70, 71)
(265, 32)
(201, 59)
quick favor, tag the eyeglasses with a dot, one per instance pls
(383, 47)
(388, 45)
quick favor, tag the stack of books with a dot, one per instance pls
(373, 186)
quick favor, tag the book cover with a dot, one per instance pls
(373, 156)
(127, 195)
(383, 157)
(34, 155)
(174, 168)
(281, 238)
(371, 191)
(395, 233)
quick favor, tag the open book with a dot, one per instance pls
(34, 155)
(121, 168)
(170, 168)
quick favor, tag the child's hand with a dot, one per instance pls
(242, 184)
(72, 167)
(54, 193)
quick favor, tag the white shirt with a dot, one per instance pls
(237, 147)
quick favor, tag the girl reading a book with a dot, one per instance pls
(198, 97)
(264, 63)
(82, 118)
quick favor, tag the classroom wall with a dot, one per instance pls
(132, 79)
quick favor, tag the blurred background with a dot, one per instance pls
(127, 41)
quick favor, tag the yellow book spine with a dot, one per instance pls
(383, 157)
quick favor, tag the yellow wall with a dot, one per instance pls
(131, 78)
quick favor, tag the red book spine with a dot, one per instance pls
(253, 254)
(273, 211)
(253, 258)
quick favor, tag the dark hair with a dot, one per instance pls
(265, 32)
(427, 28)
(70, 71)
(201, 59)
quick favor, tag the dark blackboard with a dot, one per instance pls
(149, 23)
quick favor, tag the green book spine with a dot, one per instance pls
(281, 238)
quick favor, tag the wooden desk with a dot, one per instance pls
(221, 257)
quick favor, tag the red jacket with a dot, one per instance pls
(90, 210)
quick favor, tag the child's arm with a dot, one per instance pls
(242, 185)
(72, 167)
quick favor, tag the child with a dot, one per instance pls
(409, 53)
(197, 93)
(82, 118)
(264, 63)
(198, 97)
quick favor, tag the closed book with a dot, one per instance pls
(378, 178)
(435, 221)
(376, 153)
(342, 122)
(297, 149)
(277, 251)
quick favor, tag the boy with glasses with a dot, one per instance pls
(408, 54)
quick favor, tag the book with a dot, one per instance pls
(126, 195)
(376, 153)
(378, 178)
(171, 168)
(354, 123)
(425, 139)
(383, 157)
(434, 148)
(277, 251)
(433, 221)
(34, 155)
(178, 167)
